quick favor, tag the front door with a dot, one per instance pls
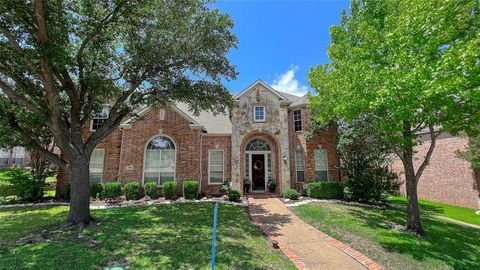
(258, 171)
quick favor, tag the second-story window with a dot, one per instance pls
(297, 120)
(259, 113)
(98, 119)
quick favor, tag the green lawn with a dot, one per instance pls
(176, 236)
(440, 209)
(376, 232)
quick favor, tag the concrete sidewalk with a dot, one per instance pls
(307, 247)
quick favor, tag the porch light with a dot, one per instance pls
(285, 159)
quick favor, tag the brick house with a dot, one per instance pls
(447, 178)
(260, 140)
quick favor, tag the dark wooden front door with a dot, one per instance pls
(258, 171)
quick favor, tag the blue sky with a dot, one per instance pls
(280, 40)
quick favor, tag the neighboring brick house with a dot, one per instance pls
(260, 140)
(447, 178)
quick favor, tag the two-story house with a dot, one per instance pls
(262, 139)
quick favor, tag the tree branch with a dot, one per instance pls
(433, 138)
(20, 99)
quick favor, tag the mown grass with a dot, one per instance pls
(176, 236)
(377, 233)
(440, 209)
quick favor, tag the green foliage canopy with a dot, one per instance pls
(404, 61)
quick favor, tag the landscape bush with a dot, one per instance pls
(151, 190)
(23, 185)
(190, 189)
(112, 190)
(96, 191)
(325, 190)
(291, 194)
(132, 190)
(234, 195)
(169, 190)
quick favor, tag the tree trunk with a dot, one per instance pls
(414, 223)
(476, 176)
(79, 193)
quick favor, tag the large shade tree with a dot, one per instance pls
(62, 61)
(414, 66)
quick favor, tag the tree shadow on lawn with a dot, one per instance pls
(455, 245)
(272, 222)
(177, 236)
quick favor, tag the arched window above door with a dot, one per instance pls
(258, 145)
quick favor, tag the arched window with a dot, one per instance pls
(258, 145)
(159, 160)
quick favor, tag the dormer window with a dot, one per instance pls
(259, 113)
(98, 119)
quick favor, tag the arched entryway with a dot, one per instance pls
(259, 162)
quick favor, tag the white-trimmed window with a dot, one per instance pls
(215, 167)
(96, 165)
(259, 113)
(160, 161)
(321, 164)
(18, 155)
(4, 156)
(98, 119)
(297, 120)
(300, 166)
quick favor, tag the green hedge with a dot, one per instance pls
(23, 185)
(291, 194)
(132, 190)
(190, 189)
(113, 190)
(325, 190)
(234, 195)
(151, 190)
(6, 190)
(96, 191)
(169, 189)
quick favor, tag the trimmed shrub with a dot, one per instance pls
(132, 190)
(112, 190)
(96, 191)
(234, 195)
(291, 194)
(6, 190)
(190, 189)
(325, 190)
(24, 186)
(169, 190)
(151, 190)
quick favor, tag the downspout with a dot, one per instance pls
(201, 162)
(121, 154)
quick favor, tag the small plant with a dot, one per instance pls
(225, 189)
(291, 194)
(169, 190)
(151, 190)
(272, 185)
(234, 195)
(325, 190)
(112, 190)
(132, 191)
(24, 186)
(190, 189)
(96, 191)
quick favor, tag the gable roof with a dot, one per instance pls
(264, 84)
(300, 102)
(207, 121)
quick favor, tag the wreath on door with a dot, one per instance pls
(258, 165)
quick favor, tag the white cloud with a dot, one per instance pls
(286, 82)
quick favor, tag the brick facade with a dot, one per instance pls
(447, 178)
(326, 139)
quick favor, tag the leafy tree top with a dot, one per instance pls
(406, 62)
(61, 61)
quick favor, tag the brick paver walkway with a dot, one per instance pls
(307, 247)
